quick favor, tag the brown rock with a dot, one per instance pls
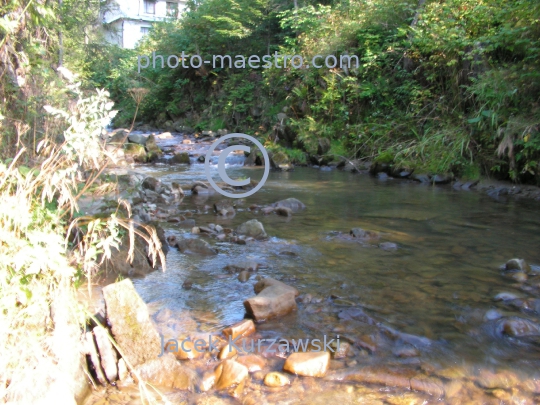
(227, 352)
(230, 373)
(130, 323)
(243, 328)
(274, 299)
(275, 379)
(244, 275)
(309, 364)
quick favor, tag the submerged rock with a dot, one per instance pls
(363, 234)
(273, 299)
(291, 203)
(197, 246)
(130, 323)
(252, 228)
(517, 327)
(252, 362)
(309, 364)
(284, 212)
(388, 246)
(517, 265)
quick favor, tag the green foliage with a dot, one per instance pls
(444, 87)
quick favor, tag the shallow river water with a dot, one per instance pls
(432, 293)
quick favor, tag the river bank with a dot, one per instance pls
(407, 275)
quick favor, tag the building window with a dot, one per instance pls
(145, 30)
(149, 7)
(172, 9)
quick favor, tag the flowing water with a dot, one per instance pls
(438, 284)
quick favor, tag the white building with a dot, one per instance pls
(127, 21)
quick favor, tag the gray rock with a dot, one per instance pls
(442, 178)
(469, 184)
(197, 246)
(252, 228)
(292, 203)
(151, 183)
(130, 323)
(139, 139)
(421, 177)
(118, 136)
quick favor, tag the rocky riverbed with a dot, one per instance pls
(417, 281)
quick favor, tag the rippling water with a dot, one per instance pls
(438, 284)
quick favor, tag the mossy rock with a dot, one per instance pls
(154, 152)
(137, 152)
(181, 158)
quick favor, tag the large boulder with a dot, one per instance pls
(273, 299)
(139, 139)
(292, 203)
(129, 320)
(308, 364)
(252, 228)
(135, 151)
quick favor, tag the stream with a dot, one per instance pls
(426, 287)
